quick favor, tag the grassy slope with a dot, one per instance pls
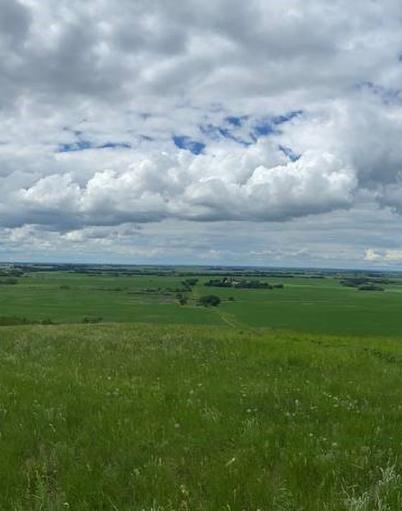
(124, 417)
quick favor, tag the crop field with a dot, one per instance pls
(284, 397)
(305, 304)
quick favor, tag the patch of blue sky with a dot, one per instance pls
(84, 145)
(240, 129)
(269, 125)
(264, 128)
(236, 121)
(79, 145)
(188, 144)
(289, 153)
(280, 119)
(218, 132)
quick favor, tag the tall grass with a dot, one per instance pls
(124, 417)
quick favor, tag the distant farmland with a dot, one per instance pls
(304, 304)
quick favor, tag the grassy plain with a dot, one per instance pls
(70, 297)
(140, 417)
(305, 304)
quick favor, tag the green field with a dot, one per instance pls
(175, 418)
(132, 418)
(305, 304)
(276, 400)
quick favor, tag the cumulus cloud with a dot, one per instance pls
(219, 111)
(245, 184)
(387, 256)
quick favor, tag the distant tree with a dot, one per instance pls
(238, 283)
(9, 281)
(190, 282)
(209, 300)
(92, 320)
(182, 299)
(15, 272)
(370, 287)
(46, 321)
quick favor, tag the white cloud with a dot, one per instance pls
(253, 183)
(387, 256)
(92, 96)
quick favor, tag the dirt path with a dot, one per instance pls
(226, 317)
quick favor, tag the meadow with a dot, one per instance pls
(285, 399)
(138, 417)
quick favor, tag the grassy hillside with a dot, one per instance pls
(125, 417)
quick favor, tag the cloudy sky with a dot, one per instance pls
(201, 132)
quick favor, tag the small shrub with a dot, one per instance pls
(181, 299)
(189, 282)
(209, 300)
(91, 320)
(46, 321)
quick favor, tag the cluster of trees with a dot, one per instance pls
(242, 283)
(190, 282)
(209, 301)
(9, 275)
(365, 283)
(370, 287)
(187, 284)
(181, 298)
(9, 281)
(11, 272)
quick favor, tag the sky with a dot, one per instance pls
(212, 132)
